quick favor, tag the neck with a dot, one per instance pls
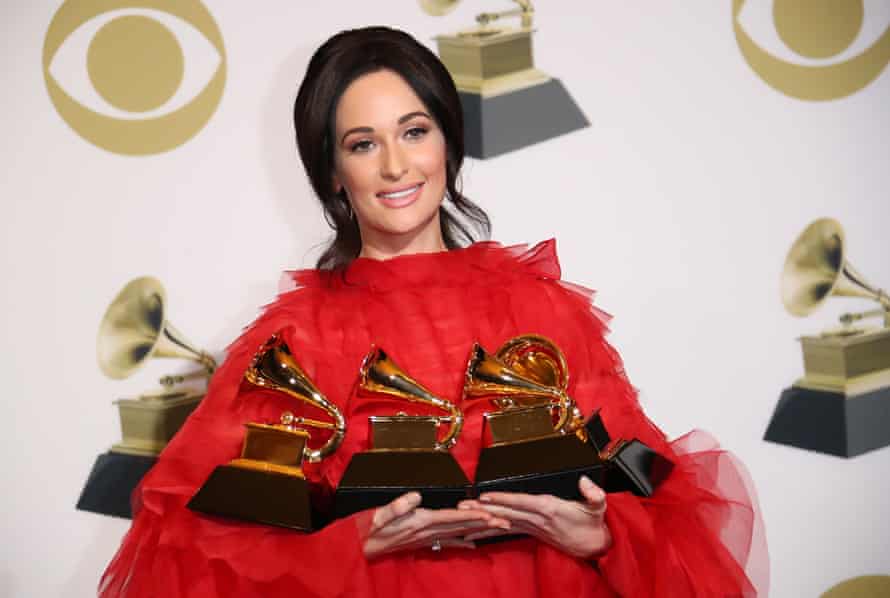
(383, 246)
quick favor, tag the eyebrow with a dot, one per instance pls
(403, 119)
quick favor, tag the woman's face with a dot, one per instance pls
(389, 156)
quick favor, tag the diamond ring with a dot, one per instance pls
(437, 545)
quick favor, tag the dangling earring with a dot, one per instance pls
(345, 198)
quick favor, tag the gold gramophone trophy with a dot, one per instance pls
(133, 331)
(536, 439)
(507, 102)
(406, 452)
(266, 483)
(841, 406)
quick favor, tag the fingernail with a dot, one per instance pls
(485, 498)
(586, 481)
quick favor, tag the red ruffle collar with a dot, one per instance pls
(484, 262)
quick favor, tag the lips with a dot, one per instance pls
(401, 197)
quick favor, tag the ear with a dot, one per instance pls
(335, 182)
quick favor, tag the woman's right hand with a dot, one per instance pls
(402, 525)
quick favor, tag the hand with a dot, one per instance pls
(401, 525)
(576, 528)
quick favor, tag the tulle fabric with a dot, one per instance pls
(699, 535)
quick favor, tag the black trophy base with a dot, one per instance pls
(543, 466)
(375, 478)
(111, 482)
(550, 465)
(257, 496)
(830, 422)
(513, 120)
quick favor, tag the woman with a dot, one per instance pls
(379, 131)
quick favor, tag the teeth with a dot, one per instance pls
(398, 194)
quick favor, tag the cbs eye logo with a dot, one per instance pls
(814, 49)
(134, 77)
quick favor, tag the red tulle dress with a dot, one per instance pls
(698, 535)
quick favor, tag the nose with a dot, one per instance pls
(394, 163)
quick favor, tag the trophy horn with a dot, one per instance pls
(381, 375)
(438, 8)
(135, 329)
(816, 268)
(275, 367)
(488, 376)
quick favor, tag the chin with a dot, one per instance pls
(407, 223)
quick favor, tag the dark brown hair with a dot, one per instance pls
(338, 62)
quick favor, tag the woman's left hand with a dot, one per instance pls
(576, 528)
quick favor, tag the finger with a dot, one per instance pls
(396, 509)
(489, 533)
(430, 517)
(475, 505)
(516, 516)
(420, 519)
(456, 530)
(478, 514)
(543, 504)
(592, 493)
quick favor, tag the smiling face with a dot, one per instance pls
(390, 158)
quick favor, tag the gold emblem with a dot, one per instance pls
(135, 65)
(815, 30)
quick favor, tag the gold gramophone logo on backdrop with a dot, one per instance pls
(134, 330)
(814, 49)
(134, 77)
(508, 103)
(841, 405)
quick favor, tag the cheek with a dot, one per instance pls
(355, 175)
(432, 161)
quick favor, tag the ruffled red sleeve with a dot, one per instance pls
(173, 552)
(700, 534)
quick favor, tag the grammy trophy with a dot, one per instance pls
(266, 484)
(406, 452)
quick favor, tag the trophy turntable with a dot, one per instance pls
(841, 406)
(133, 331)
(507, 102)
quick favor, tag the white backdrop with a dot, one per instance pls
(678, 204)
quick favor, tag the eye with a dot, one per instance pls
(361, 146)
(416, 132)
(814, 49)
(815, 32)
(86, 67)
(119, 76)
